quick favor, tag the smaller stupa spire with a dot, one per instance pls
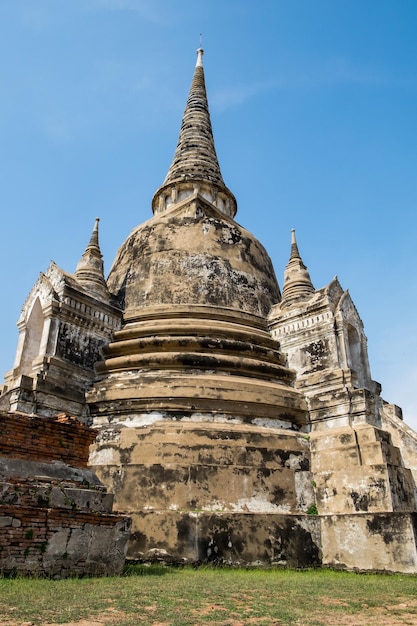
(90, 269)
(297, 281)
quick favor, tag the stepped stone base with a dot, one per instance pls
(187, 484)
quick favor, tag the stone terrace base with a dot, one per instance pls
(236, 493)
(382, 542)
(370, 541)
(189, 466)
(236, 539)
(56, 542)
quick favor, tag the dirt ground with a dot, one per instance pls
(401, 614)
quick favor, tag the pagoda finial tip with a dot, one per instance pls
(200, 53)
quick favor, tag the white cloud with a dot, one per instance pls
(235, 95)
(331, 72)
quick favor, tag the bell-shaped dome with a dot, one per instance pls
(193, 255)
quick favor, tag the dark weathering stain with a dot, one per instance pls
(381, 525)
(125, 454)
(293, 544)
(197, 360)
(345, 438)
(223, 541)
(317, 355)
(215, 540)
(77, 347)
(278, 495)
(137, 543)
(360, 501)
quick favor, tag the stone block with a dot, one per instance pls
(370, 542)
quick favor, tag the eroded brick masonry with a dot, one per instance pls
(55, 516)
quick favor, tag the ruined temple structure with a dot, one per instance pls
(56, 517)
(236, 423)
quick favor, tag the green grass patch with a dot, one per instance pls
(186, 596)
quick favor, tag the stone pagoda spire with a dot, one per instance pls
(195, 167)
(90, 269)
(297, 281)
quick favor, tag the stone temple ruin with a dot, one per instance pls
(235, 423)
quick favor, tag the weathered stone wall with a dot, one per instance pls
(55, 516)
(365, 498)
(189, 486)
(358, 469)
(365, 541)
(235, 539)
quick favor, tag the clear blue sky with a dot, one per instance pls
(313, 105)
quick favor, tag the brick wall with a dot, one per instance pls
(60, 543)
(60, 438)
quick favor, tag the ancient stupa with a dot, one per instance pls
(235, 424)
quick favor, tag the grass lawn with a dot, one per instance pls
(162, 596)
